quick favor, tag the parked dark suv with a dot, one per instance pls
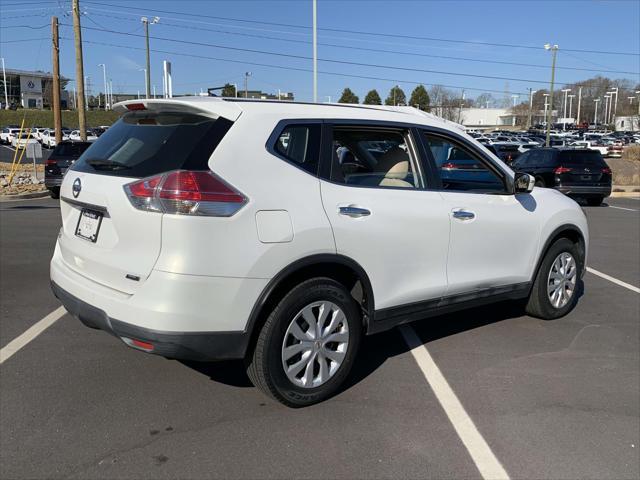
(575, 172)
(60, 159)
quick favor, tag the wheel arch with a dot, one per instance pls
(569, 231)
(338, 267)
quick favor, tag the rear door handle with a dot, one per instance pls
(353, 211)
(463, 215)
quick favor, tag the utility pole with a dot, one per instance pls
(579, 105)
(4, 79)
(595, 115)
(554, 51)
(82, 123)
(55, 52)
(315, 51)
(246, 84)
(531, 92)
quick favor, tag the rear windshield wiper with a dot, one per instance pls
(102, 164)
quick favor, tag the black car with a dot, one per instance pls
(60, 159)
(575, 172)
(507, 152)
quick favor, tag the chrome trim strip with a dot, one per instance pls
(90, 206)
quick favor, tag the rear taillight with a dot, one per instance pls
(50, 162)
(606, 170)
(560, 170)
(185, 193)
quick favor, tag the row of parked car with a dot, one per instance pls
(12, 135)
(510, 145)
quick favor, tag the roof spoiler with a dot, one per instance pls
(210, 108)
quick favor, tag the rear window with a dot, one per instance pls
(70, 150)
(591, 158)
(141, 144)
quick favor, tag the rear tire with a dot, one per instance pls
(594, 201)
(540, 183)
(335, 342)
(55, 193)
(555, 289)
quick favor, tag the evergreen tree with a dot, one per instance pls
(420, 98)
(372, 98)
(396, 97)
(228, 90)
(348, 97)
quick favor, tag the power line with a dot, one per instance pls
(26, 26)
(280, 67)
(24, 40)
(360, 32)
(304, 57)
(377, 50)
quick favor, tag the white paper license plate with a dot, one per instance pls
(89, 225)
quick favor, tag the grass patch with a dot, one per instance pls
(44, 118)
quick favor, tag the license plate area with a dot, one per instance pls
(88, 225)
(586, 177)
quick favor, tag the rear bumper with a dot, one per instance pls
(604, 191)
(52, 181)
(199, 346)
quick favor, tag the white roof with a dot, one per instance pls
(232, 109)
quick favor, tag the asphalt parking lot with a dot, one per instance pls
(556, 399)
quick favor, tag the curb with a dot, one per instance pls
(24, 196)
(625, 194)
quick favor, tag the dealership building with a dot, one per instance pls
(31, 89)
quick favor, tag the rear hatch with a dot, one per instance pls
(583, 167)
(104, 237)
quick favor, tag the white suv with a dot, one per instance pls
(281, 233)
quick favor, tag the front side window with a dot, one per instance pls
(378, 158)
(460, 169)
(300, 145)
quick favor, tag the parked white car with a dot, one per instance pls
(7, 134)
(74, 136)
(591, 146)
(21, 141)
(281, 233)
(48, 137)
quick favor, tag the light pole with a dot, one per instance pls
(638, 92)
(571, 97)
(554, 52)
(531, 92)
(315, 52)
(615, 108)
(104, 76)
(145, 22)
(86, 92)
(595, 115)
(515, 97)
(246, 83)
(631, 100)
(4, 80)
(579, 104)
(329, 98)
(564, 110)
(607, 102)
(110, 92)
(546, 106)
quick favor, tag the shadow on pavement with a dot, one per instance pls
(376, 349)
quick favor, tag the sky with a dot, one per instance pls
(211, 42)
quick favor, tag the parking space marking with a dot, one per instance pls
(485, 460)
(623, 208)
(614, 280)
(16, 344)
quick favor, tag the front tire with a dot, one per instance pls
(555, 289)
(308, 344)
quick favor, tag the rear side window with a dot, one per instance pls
(587, 158)
(300, 144)
(141, 144)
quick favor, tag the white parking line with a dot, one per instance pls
(481, 454)
(16, 344)
(614, 280)
(623, 208)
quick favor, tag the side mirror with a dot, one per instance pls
(523, 183)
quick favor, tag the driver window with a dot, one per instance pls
(371, 158)
(460, 169)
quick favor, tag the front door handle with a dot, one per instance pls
(353, 211)
(464, 215)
